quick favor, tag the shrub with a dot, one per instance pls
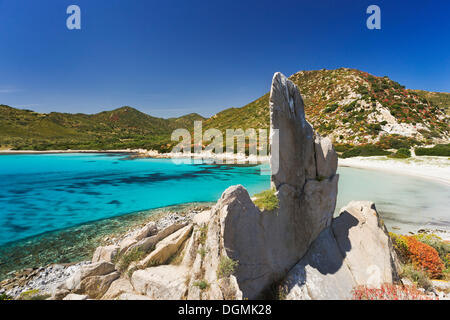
(203, 234)
(4, 296)
(226, 267)
(442, 150)
(418, 276)
(389, 292)
(394, 141)
(331, 108)
(401, 153)
(350, 106)
(425, 257)
(132, 256)
(365, 151)
(401, 246)
(267, 200)
(442, 248)
(202, 284)
(342, 147)
(33, 295)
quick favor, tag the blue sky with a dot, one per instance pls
(169, 58)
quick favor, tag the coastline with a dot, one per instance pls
(76, 244)
(436, 169)
(17, 152)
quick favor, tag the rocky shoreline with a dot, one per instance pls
(43, 281)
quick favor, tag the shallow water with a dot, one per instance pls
(56, 208)
(405, 203)
(41, 193)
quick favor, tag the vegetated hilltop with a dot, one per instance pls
(353, 107)
(118, 129)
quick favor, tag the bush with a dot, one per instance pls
(401, 153)
(203, 234)
(202, 284)
(417, 276)
(425, 257)
(33, 295)
(331, 108)
(4, 296)
(401, 246)
(442, 248)
(266, 200)
(128, 258)
(365, 151)
(442, 150)
(350, 106)
(342, 147)
(226, 267)
(389, 292)
(394, 141)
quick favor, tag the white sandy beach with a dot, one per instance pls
(433, 168)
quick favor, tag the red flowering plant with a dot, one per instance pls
(425, 257)
(389, 292)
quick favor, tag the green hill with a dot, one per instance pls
(350, 106)
(118, 129)
(353, 107)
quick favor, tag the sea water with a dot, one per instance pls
(41, 193)
(57, 207)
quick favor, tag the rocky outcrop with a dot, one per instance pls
(165, 282)
(355, 250)
(268, 244)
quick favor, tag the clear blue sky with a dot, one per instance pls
(169, 58)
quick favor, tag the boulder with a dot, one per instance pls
(166, 282)
(97, 269)
(166, 248)
(202, 217)
(107, 253)
(96, 286)
(149, 243)
(125, 244)
(72, 296)
(148, 230)
(364, 241)
(131, 296)
(118, 287)
(94, 269)
(441, 285)
(355, 250)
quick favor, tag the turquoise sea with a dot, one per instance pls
(41, 193)
(56, 207)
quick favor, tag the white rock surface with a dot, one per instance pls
(355, 250)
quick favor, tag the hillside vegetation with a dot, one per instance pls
(356, 110)
(118, 129)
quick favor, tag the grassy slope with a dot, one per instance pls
(120, 128)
